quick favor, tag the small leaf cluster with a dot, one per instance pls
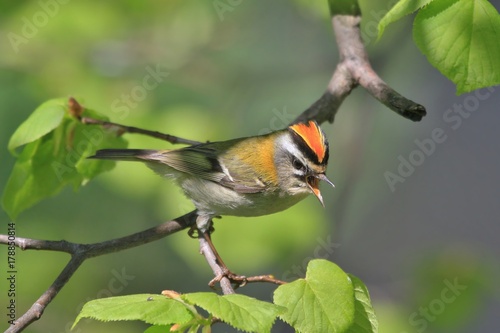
(458, 37)
(55, 146)
(326, 300)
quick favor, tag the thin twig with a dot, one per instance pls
(81, 252)
(130, 129)
(222, 274)
(76, 110)
(206, 251)
(265, 278)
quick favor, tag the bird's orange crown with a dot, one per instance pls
(310, 136)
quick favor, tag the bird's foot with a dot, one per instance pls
(194, 232)
(235, 279)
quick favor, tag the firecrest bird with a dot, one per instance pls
(250, 176)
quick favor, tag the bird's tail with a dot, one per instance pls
(124, 154)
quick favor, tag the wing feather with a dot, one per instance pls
(201, 161)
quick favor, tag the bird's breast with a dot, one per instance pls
(215, 199)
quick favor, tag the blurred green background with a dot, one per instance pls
(427, 248)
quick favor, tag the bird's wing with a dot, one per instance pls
(202, 161)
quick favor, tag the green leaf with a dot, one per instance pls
(152, 309)
(322, 302)
(240, 311)
(365, 320)
(36, 175)
(158, 329)
(398, 11)
(43, 120)
(55, 159)
(460, 38)
(88, 139)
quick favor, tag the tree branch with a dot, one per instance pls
(206, 251)
(222, 273)
(354, 69)
(130, 129)
(81, 252)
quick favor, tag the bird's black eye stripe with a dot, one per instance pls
(298, 165)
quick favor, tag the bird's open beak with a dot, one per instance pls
(313, 183)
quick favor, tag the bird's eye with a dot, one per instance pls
(297, 164)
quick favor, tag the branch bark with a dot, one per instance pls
(76, 110)
(130, 129)
(81, 252)
(217, 269)
(354, 69)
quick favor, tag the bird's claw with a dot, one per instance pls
(194, 232)
(235, 279)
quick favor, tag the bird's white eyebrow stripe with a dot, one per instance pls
(289, 146)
